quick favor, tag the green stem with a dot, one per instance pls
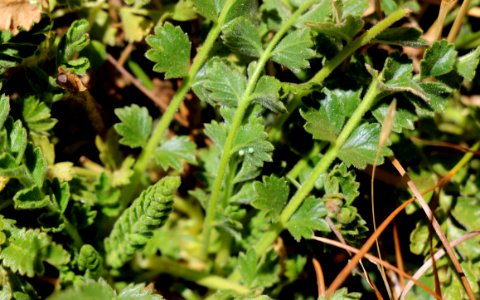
(332, 64)
(320, 168)
(73, 232)
(237, 121)
(164, 265)
(167, 117)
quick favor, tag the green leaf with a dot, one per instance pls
(90, 261)
(345, 30)
(244, 8)
(340, 182)
(317, 13)
(76, 38)
(87, 290)
(257, 272)
(307, 219)
(138, 292)
(25, 252)
(184, 11)
(137, 223)
(247, 265)
(206, 8)
(36, 115)
(404, 119)
(36, 164)
(466, 65)
(342, 294)
(267, 94)
(326, 122)
(30, 198)
(294, 50)
(466, 212)
(135, 127)
(271, 195)
(294, 267)
(135, 26)
(17, 138)
(361, 147)
(438, 60)
(170, 51)
(241, 36)
(173, 152)
(225, 85)
(402, 36)
(4, 109)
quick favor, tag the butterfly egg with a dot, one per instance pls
(241, 152)
(250, 150)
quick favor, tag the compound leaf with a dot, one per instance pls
(361, 147)
(170, 51)
(173, 152)
(271, 195)
(267, 94)
(307, 219)
(438, 60)
(294, 50)
(241, 35)
(135, 127)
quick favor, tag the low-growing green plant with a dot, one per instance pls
(252, 128)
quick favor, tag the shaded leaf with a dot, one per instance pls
(36, 115)
(74, 41)
(135, 26)
(361, 147)
(135, 127)
(241, 35)
(267, 94)
(271, 195)
(206, 8)
(16, 138)
(36, 164)
(438, 60)
(402, 36)
(170, 51)
(30, 198)
(466, 212)
(294, 50)
(175, 151)
(307, 219)
(15, 15)
(317, 13)
(4, 109)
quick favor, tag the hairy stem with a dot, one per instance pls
(167, 117)
(320, 168)
(237, 121)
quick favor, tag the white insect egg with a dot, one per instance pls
(241, 152)
(250, 150)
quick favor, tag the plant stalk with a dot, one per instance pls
(167, 117)
(237, 121)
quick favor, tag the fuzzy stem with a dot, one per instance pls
(320, 168)
(167, 117)
(237, 121)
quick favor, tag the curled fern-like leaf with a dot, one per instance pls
(136, 225)
(90, 261)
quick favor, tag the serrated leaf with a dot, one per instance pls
(138, 292)
(402, 36)
(294, 267)
(247, 265)
(342, 294)
(345, 30)
(341, 182)
(318, 13)
(361, 147)
(17, 139)
(241, 36)
(466, 212)
(36, 115)
(30, 198)
(4, 109)
(76, 38)
(60, 193)
(135, 127)
(326, 122)
(56, 255)
(294, 50)
(438, 60)
(307, 219)
(271, 195)
(267, 94)
(404, 119)
(174, 152)
(225, 85)
(206, 8)
(244, 8)
(23, 253)
(87, 290)
(466, 65)
(170, 51)
(355, 8)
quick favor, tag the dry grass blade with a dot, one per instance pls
(337, 282)
(398, 254)
(436, 227)
(384, 134)
(439, 254)
(320, 277)
(458, 21)
(377, 261)
(444, 144)
(437, 27)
